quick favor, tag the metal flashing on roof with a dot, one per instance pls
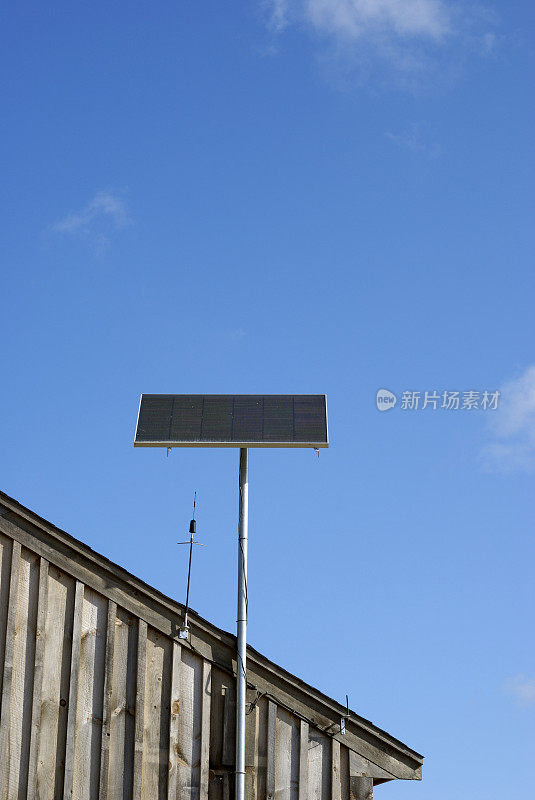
(224, 420)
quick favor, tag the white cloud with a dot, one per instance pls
(104, 208)
(522, 688)
(512, 425)
(408, 35)
(355, 18)
(278, 13)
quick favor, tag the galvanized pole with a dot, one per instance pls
(241, 688)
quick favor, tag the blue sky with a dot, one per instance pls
(325, 196)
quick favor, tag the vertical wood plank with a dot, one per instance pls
(42, 599)
(336, 784)
(250, 728)
(205, 730)
(73, 690)
(151, 717)
(8, 665)
(90, 696)
(22, 684)
(173, 722)
(217, 714)
(271, 750)
(283, 755)
(303, 761)
(229, 726)
(140, 709)
(251, 745)
(261, 758)
(344, 772)
(123, 702)
(55, 684)
(106, 704)
(319, 766)
(156, 719)
(6, 551)
(286, 756)
(190, 725)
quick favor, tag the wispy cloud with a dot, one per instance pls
(105, 212)
(522, 688)
(277, 13)
(415, 139)
(104, 205)
(355, 18)
(408, 35)
(237, 334)
(512, 426)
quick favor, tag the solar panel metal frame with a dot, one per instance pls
(170, 442)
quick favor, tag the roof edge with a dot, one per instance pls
(143, 593)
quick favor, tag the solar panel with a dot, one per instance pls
(226, 420)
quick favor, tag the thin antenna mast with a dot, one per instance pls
(184, 631)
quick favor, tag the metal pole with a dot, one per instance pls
(241, 688)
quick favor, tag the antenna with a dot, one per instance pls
(184, 630)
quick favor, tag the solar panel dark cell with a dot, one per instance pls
(247, 419)
(187, 418)
(310, 418)
(154, 418)
(278, 418)
(217, 418)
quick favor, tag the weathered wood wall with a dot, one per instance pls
(96, 703)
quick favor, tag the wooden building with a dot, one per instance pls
(99, 698)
